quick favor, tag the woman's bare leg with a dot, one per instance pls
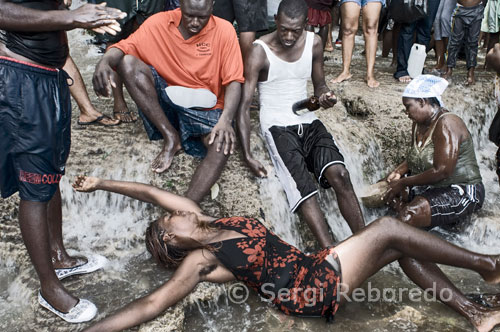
(387, 239)
(350, 17)
(88, 113)
(429, 276)
(371, 13)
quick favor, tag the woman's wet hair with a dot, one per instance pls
(163, 253)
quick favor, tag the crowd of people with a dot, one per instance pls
(192, 80)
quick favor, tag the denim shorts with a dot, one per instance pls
(191, 124)
(363, 3)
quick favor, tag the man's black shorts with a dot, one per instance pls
(35, 129)
(298, 150)
(251, 15)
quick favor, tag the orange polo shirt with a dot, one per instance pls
(210, 60)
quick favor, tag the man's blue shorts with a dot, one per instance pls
(35, 129)
(191, 124)
(363, 3)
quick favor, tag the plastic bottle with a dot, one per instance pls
(416, 60)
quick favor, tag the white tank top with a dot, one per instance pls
(286, 84)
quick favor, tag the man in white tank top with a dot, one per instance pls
(281, 64)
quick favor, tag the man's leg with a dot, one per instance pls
(405, 41)
(315, 219)
(88, 113)
(120, 108)
(60, 258)
(338, 177)
(471, 46)
(35, 232)
(139, 81)
(207, 173)
(350, 18)
(456, 38)
(371, 13)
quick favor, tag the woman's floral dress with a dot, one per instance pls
(296, 283)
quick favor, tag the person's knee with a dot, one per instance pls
(386, 223)
(338, 176)
(407, 215)
(371, 28)
(131, 68)
(349, 28)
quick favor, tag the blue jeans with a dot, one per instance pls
(405, 41)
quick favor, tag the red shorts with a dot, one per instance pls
(317, 17)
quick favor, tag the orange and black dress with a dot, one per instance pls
(296, 283)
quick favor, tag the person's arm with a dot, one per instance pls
(447, 138)
(326, 97)
(184, 280)
(256, 61)
(223, 133)
(398, 172)
(15, 17)
(140, 191)
(103, 78)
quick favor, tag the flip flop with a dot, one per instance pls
(94, 263)
(98, 122)
(83, 311)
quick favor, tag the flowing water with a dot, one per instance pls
(113, 226)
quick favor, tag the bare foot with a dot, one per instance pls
(164, 159)
(493, 275)
(404, 79)
(342, 77)
(328, 47)
(121, 112)
(471, 80)
(485, 322)
(372, 82)
(447, 75)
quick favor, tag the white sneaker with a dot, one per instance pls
(191, 98)
(94, 263)
(83, 311)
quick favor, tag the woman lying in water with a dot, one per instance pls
(205, 248)
(440, 169)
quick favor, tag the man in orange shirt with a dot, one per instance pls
(183, 48)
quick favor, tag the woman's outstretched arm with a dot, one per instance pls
(189, 273)
(140, 191)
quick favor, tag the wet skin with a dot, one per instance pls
(449, 133)
(361, 255)
(139, 81)
(288, 42)
(41, 222)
